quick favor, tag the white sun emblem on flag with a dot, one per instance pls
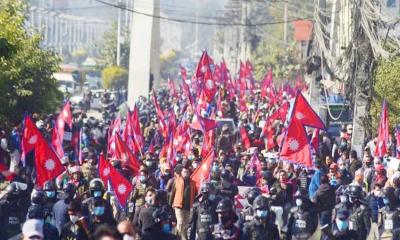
(113, 145)
(125, 156)
(60, 123)
(106, 171)
(50, 164)
(121, 188)
(209, 84)
(65, 113)
(293, 145)
(32, 140)
(299, 115)
(204, 167)
(203, 69)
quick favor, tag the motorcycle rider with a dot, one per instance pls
(203, 214)
(260, 227)
(96, 190)
(226, 228)
(11, 216)
(389, 220)
(247, 214)
(227, 188)
(50, 191)
(360, 218)
(302, 219)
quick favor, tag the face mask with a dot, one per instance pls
(191, 158)
(98, 211)
(127, 237)
(97, 194)
(211, 197)
(386, 201)
(149, 201)
(73, 218)
(142, 179)
(342, 225)
(195, 165)
(50, 194)
(299, 202)
(262, 213)
(149, 163)
(166, 228)
(343, 199)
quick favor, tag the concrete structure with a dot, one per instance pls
(144, 63)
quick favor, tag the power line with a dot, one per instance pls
(200, 22)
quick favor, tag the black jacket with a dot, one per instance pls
(325, 197)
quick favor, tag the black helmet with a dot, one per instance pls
(261, 202)
(355, 191)
(96, 188)
(36, 212)
(70, 189)
(38, 197)
(207, 187)
(225, 205)
(252, 194)
(12, 188)
(49, 186)
(226, 174)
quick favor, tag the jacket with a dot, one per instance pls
(178, 191)
(325, 197)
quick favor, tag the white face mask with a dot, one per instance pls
(74, 219)
(127, 237)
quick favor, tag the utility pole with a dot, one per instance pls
(119, 33)
(196, 38)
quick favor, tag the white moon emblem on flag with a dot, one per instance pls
(106, 171)
(293, 145)
(65, 113)
(209, 84)
(299, 115)
(121, 188)
(32, 140)
(50, 164)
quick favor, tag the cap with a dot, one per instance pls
(343, 214)
(33, 227)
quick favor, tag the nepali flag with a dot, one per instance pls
(56, 142)
(295, 147)
(64, 118)
(303, 112)
(123, 153)
(202, 173)
(383, 132)
(137, 132)
(30, 136)
(172, 89)
(267, 81)
(245, 138)
(183, 74)
(47, 163)
(104, 169)
(315, 140)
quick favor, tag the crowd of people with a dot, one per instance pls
(344, 196)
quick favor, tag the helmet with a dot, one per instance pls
(253, 194)
(226, 174)
(96, 188)
(261, 202)
(224, 206)
(36, 212)
(207, 187)
(70, 189)
(355, 191)
(38, 197)
(49, 186)
(12, 191)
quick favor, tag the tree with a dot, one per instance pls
(386, 87)
(114, 77)
(169, 63)
(108, 48)
(26, 70)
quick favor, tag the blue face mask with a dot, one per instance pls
(211, 197)
(386, 201)
(262, 213)
(342, 225)
(166, 228)
(50, 194)
(142, 179)
(97, 194)
(98, 211)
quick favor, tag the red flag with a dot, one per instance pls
(56, 142)
(65, 117)
(255, 164)
(245, 138)
(137, 132)
(202, 173)
(183, 73)
(295, 147)
(172, 89)
(30, 136)
(303, 112)
(160, 116)
(122, 187)
(123, 153)
(203, 124)
(315, 140)
(266, 83)
(210, 87)
(48, 165)
(383, 132)
(104, 169)
(203, 67)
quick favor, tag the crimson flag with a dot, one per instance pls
(303, 112)
(47, 163)
(137, 132)
(104, 169)
(245, 138)
(172, 89)
(30, 136)
(123, 153)
(203, 124)
(121, 186)
(315, 140)
(56, 142)
(383, 132)
(295, 147)
(202, 173)
(183, 73)
(267, 81)
(255, 164)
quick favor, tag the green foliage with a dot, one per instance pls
(108, 48)
(169, 62)
(114, 77)
(387, 87)
(79, 56)
(26, 81)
